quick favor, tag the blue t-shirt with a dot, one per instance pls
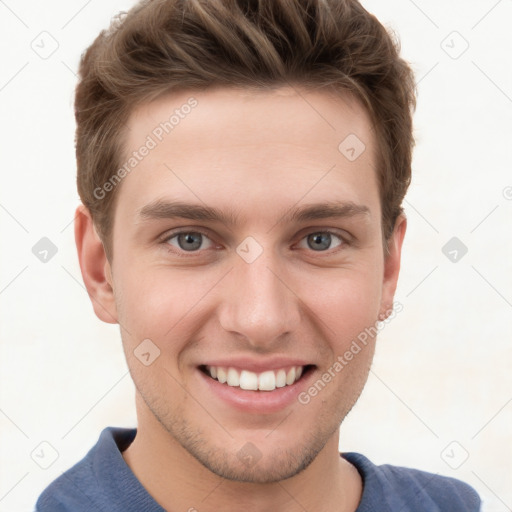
(103, 482)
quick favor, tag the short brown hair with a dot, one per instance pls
(161, 46)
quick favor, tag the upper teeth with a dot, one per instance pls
(265, 381)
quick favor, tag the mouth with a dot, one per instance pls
(266, 381)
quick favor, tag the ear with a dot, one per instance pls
(95, 267)
(392, 267)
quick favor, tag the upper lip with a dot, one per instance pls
(257, 365)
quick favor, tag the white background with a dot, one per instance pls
(442, 373)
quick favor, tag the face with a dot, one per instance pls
(247, 246)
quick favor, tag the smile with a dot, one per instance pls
(251, 381)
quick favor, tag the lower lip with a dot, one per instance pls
(260, 402)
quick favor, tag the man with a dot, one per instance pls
(242, 167)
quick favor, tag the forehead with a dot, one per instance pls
(220, 116)
(223, 145)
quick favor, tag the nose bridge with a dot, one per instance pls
(260, 307)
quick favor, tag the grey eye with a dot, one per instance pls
(188, 240)
(322, 240)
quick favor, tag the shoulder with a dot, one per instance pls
(63, 493)
(82, 487)
(403, 488)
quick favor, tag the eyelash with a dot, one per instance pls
(181, 253)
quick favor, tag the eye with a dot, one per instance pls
(320, 241)
(189, 241)
(194, 241)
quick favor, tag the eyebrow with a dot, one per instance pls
(175, 209)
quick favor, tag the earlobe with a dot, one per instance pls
(392, 267)
(95, 267)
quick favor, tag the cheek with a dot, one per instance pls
(159, 304)
(346, 301)
(153, 313)
(163, 304)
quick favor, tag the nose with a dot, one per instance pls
(258, 303)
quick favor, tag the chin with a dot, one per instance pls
(256, 468)
(258, 462)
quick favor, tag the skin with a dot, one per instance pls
(257, 154)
